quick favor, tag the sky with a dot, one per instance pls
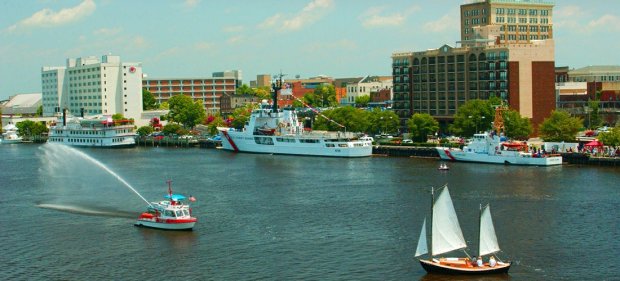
(194, 38)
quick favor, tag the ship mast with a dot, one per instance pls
(498, 122)
(276, 86)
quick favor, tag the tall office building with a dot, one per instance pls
(521, 73)
(91, 86)
(520, 21)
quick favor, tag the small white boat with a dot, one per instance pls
(10, 135)
(446, 236)
(443, 167)
(171, 214)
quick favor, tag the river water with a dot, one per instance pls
(273, 217)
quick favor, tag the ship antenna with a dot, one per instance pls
(276, 86)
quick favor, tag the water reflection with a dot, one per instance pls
(178, 240)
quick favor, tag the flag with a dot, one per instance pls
(286, 90)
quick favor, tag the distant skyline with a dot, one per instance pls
(193, 38)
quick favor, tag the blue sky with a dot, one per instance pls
(193, 38)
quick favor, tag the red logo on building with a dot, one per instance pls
(132, 69)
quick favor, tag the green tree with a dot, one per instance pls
(244, 90)
(353, 119)
(174, 128)
(117, 116)
(185, 111)
(214, 121)
(421, 125)
(517, 127)
(241, 115)
(148, 100)
(39, 111)
(560, 126)
(311, 99)
(263, 93)
(611, 138)
(164, 105)
(144, 130)
(297, 104)
(325, 95)
(382, 121)
(473, 116)
(362, 101)
(595, 119)
(27, 129)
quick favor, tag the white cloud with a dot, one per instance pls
(203, 46)
(107, 31)
(373, 17)
(233, 28)
(191, 3)
(49, 18)
(446, 22)
(604, 22)
(139, 42)
(567, 16)
(312, 12)
(235, 39)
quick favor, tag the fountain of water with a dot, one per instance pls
(56, 151)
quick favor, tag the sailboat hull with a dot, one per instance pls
(461, 267)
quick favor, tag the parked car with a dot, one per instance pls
(407, 141)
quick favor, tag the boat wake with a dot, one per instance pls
(89, 211)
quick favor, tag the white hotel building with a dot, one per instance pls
(107, 86)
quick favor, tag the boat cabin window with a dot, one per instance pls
(185, 212)
(169, 213)
(179, 213)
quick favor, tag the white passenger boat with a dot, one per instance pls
(10, 135)
(170, 214)
(490, 148)
(273, 131)
(99, 131)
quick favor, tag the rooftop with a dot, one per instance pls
(595, 69)
(526, 2)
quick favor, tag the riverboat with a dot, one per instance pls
(446, 236)
(170, 214)
(10, 135)
(97, 131)
(274, 131)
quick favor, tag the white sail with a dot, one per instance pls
(488, 240)
(422, 247)
(447, 234)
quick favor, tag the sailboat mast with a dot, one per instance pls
(431, 220)
(479, 228)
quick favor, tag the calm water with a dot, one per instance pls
(291, 218)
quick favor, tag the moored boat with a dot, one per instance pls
(99, 131)
(491, 148)
(170, 214)
(446, 236)
(10, 135)
(275, 131)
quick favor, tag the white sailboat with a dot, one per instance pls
(446, 236)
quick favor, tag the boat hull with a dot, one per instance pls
(514, 159)
(185, 225)
(240, 142)
(441, 268)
